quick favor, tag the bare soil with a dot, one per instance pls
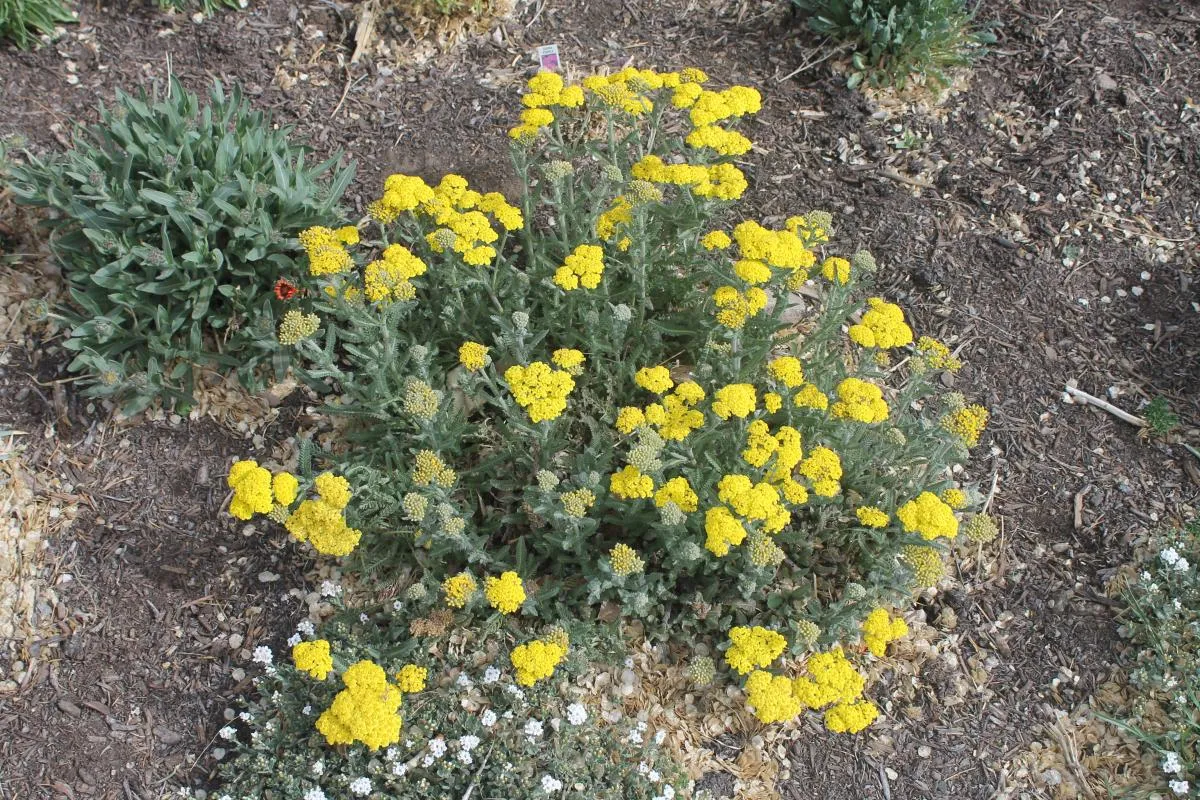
(1044, 219)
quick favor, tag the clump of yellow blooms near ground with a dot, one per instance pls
(597, 395)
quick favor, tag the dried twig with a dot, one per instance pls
(1091, 399)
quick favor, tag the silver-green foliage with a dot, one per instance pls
(895, 39)
(172, 221)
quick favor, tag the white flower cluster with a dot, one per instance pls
(360, 786)
(576, 714)
(550, 784)
(1170, 556)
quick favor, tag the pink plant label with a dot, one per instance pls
(547, 56)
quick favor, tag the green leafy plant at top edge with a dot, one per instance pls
(23, 21)
(895, 39)
(175, 223)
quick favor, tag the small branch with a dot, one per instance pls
(893, 175)
(1091, 399)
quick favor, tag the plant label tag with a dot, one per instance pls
(547, 56)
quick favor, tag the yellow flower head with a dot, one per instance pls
(753, 647)
(536, 660)
(506, 593)
(326, 254)
(539, 389)
(810, 396)
(583, 267)
(251, 486)
(787, 370)
(878, 629)
(284, 486)
(678, 491)
(872, 517)
(576, 503)
(570, 360)
(715, 240)
(473, 356)
(366, 711)
(631, 484)
(654, 379)
(313, 658)
(928, 516)
(861, 401)
(624, 560)
(772, 697)
(836, 270)
(323, 526)
(411, 678)
(882, 326)
(955, 498)
(629, 419)
(735, 400)
(459, 589)
(333, 489)
(850, 717)
(967, 423)
(297, 325)
(723, 530)
(925, 563)
(428, 468)
(824, 469)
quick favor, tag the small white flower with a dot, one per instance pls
(399, 769)
(491, 675)
(330, 589)
(463, 680)
(641, 725)
(427, 760)
(465, 756)
(1146, 576)
(305, 627)
(629, 662)
(643, 768)
(488, 718)
(1178, 605)
(635, 737)
(576, 714)
(1179, 787)
(318, 768)
(437, 747)
(262, 655)
(228, 733)
(1169, 556)
(397, 605)
(294, 640)
(306, 711)
(315, 794)
(1182, 565)
(653, 776)
(468, 742)
(515, 691)
(669, 792)
(363, 617)
(245, 716)
(533, 728)
(360, 786)
(1171, 764)
(550, 784)
(660, 737)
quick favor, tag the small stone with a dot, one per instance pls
(167, 737)
(924, 751)
(235, 640)
(238, 674)
(266, 576)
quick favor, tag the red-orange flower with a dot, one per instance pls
(284, 290)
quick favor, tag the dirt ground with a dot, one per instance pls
(1044, 218)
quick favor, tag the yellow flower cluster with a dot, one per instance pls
(631, 484)
(772, 697)
(872, 517)
(967, 423)
(734, 307)
(824, 469)
(928, 516)
(882, 326)
(860, 401)
(326, 249)
(252, 492)
(583, 267)
(936, 355)
(540, 389)
(735, 400)
(366, 711)
(546, 89)
(878, 629)
(321, 523)
(715, 240)
(955, 498)
(736, 101)
(810, 396)
(836, 270)
(760, 444)
(754, 501)
(624, 560)
(569, 359)
(716, 181)
(297, 325)
(851, 717)
(615, 218)
(925, 563)
(753, 647)
(781, 249)
(679, 417)
(389, 277)
(834, 680)
(459, 589)
(654, 379)
(787, 370)
(428, 468)
(536, 660)
(411, 678)
(678, 491)
(401, 193)
(577, 502)
(473, 356)
(506, 593)
(722, 530)
(313, 658)
(714, 137)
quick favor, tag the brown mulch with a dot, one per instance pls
(1044, 218)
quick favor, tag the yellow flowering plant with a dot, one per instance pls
(626, 406)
